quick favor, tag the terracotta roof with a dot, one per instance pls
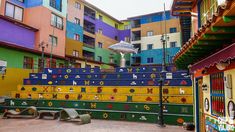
(205, 28)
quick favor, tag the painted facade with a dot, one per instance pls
(209, 55)
(147, 31)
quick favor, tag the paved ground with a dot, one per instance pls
(36, 125)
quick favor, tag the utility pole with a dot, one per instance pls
(52, 44)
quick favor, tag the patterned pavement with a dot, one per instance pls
(38, 125)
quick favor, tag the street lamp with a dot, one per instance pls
(42, 45)
(164, 39)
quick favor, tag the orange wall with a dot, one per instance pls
(158, 28)
(105, 40)
(40, 18)
(73, 45)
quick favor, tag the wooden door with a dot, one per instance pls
(201, 106)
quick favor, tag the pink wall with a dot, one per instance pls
(40, 18)
(74, 12)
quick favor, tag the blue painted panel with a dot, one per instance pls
(156, 54)
(72, 29)
(70, 70)
(156, 17)
(33, 3)
(16, 2)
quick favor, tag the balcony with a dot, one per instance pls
(136, 38)
(89, 45)
(135, 23)
(89, 15)
(90, 30)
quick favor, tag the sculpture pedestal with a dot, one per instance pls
(123, 62)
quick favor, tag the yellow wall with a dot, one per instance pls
(105, 40)
(73, 45)
(108, 20)
(13, 77)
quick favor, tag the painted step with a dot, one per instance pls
(106, 82)
(167, 90)
(118, 106)
(178, 99)
(113, 76)
(171, 119)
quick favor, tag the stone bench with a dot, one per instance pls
(48, 113)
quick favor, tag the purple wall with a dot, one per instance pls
(110, 31)
(20, 36)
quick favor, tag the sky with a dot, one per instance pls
(123, 9)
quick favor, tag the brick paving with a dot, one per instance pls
(38, 125)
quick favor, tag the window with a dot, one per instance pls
(150, 60)
(149, 46)
(99, 58)
(150, 33)
(116, 25)
(77, 21)
(126, 27)
(116, 38)
(127, 39)
(56, 21)
(14, 12)
(217, 94)
(77, 37)
(28, 62)
(100, 17)
(100, 30)
(75, 53)
(173, 30)
(53, 40)
(100, 45)
(149, 19)
(57, 4)
(77, 5)
(172, 44)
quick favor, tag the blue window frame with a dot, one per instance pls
(172, 44)
(173, 30)
(149, 46)
(57, 4)
(150, 60)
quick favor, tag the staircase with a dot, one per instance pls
(129, 94)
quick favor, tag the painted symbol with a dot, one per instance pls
(105, 115)
(83, 90)
(83, 70)
(134, 76)
(29, 96)
(76, 105)
(96, 76)
(96, 97)
(17, 110)
(126, 107)
(149, 99)
(12, 103)
(146, 107)
(165, 91)
(133, 83)
(112, 98)
(93, 105)
(59, 71)
(54, 76)
(40, 96)
(149, 90)
(24, 103)
(74, 83)
(99, 89)
(183, 82)
(103, 76)
(115, 90)
(132, 90)
(153, 76)
(68, 70)
(144, 75)
(150, 83)
(49, 71)
(66, 76)
(77, 76)
(34, 89)
(109, 106)
(59, 89)
(133, 116)
(50, 104)
(154, 69)
(88, 76)
(66, 96)
(44, 76)
(118, 76)
(71, 90)
(143, 118)
(87, 82)
(79, 96)
(50, 82)
(123, 116)
(101, 83)
(165, 99)
(121, 70)
(165, 109)
(142, 82)
(17, 95)
(129, 98)
(181, 91)
(137, 69)
(183, 100)
(45, 88)
(54, 96)
(92, 71)
(166, 83)
(180, 120)
(143, 68)
(129, 70)
(22, 89)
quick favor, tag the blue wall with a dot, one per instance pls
(157, 55)
(72, 29)
(28, 3)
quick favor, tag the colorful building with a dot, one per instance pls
(209, 54)
(146, 32)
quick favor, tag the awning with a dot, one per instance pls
(221, 56)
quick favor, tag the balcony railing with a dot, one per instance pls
(136, 38)
(135, 26)
(89, 15)
(88, 57)
(89, 45)
(89, 30)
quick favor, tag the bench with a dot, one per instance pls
(48, 113)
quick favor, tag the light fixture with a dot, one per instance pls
(222, 65)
